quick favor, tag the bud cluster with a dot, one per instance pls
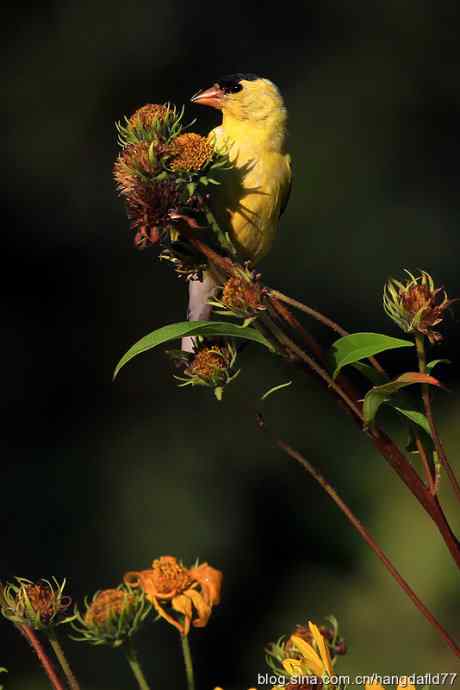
(163, 172)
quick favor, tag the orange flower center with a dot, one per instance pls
(190, 152)
(169, 577)
(207, 363)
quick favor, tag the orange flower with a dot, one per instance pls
(190, 592)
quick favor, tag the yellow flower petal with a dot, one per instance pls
(292, 666)
(323, 648)
(374, 686)
(160, 610)
(203, 609)
(314, 663)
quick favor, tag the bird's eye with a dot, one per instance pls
(233, 88)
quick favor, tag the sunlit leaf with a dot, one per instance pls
(352, 348)
(176, 331)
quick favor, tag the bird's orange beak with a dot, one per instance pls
(212, 97)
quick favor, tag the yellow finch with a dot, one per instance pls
(254, 193)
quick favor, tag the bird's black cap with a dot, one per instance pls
(231, 79)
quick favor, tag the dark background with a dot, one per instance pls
(100, 478)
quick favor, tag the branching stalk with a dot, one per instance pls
(322, 318)
(365, 534)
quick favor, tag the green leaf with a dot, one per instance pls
(381, 394)
(352, 348)
(434, 362)
(175, 331)
(414, 415)
(274, 389)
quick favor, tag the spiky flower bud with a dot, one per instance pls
(416, 305)
(39, 605)
(112, 616)
(149, 115)
(212, 366)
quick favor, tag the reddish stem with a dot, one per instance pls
(39, 650)
(365, 534)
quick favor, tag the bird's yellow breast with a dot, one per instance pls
(253, 192)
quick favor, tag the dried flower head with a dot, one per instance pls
(174, 589)
(212, 366)
(39, 605)
(134, 164)
(148, 206)
(112, 616)
(416, 305)
(190, 152)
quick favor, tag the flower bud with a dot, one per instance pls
(40, 605)
(416, 305)
(112, 616)
(211, 366)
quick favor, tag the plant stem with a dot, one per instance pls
(285, 340)
(426, 397)
(386, 447)
(431, 483)
(322, 318)
(59, 652)
(42, 656)
(135, 666)
(364, 533)
(188, 662)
